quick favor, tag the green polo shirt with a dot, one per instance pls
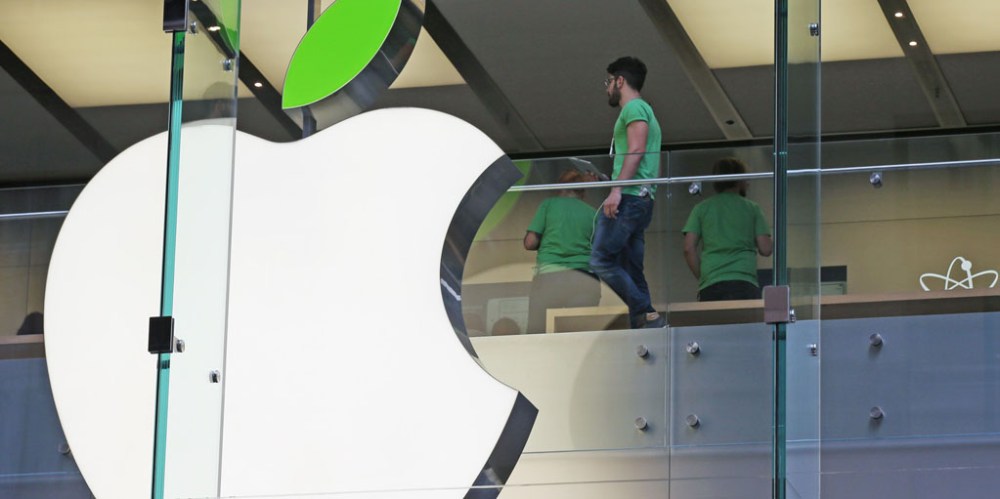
(649, 165)
(728, 225)
(566, 226)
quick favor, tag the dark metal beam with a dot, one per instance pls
(924, 64)
(478, 79)
(262, 89)
(726, 117)
(56, 106)
(313, 10)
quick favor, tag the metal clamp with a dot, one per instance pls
(161, 335)
(175, 15)
(777, 305)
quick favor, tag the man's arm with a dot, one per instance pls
(691, 255)
(764, 245)
(532, 240)
(637, 133)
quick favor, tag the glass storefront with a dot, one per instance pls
(872, 153)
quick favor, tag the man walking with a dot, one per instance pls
(619, 244)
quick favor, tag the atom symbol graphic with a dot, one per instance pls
(966, 283)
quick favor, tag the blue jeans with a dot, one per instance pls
(617, 254)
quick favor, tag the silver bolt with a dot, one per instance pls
(875, 340)
(876, 180)
(791, 315)
(692, 420)
(641, 424)
(63, 448)
(227, 64)
(813, 349)
(694, 189)
(876, 413)
(214, 376)
(813, 29)
(693, 348)
(642, 351)
(193, 28)
(179, 345)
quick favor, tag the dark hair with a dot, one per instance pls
(632, 69)
(728, 166)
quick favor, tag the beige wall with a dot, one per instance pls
(916, 223)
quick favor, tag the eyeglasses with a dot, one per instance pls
(609, 80)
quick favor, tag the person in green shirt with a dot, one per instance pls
(561, 233)
(619, 239)
(732, 232)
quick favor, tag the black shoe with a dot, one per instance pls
(655, 323)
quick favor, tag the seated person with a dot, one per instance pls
(732, 231)
(561, 232)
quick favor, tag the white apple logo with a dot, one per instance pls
(342, 369)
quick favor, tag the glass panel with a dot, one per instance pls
(576, 380)
(566, 476)
(205, 173)
(922, 236)
(36, 461)
(720, 408)
(797, 256)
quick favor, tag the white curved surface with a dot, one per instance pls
(342, 370)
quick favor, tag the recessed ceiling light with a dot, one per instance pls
(259, 84)
(913, 43)
(214, 28)
(899, 14)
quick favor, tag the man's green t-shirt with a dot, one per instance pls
(566, 225)
(728, 225)
(649, 165)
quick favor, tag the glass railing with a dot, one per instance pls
(501, 273)
(889, 229)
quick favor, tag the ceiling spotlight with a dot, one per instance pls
(898, 14)
(913, 43)
(214, 28)
(259, 84)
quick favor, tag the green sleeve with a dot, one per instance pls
(693, 224)
(537, 224)
(760, 224)
(635, 111)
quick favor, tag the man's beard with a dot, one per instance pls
(615, 98)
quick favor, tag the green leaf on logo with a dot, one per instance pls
(337, 48)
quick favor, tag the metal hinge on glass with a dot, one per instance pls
(777, 305)
(175, 15)
(161, 335)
